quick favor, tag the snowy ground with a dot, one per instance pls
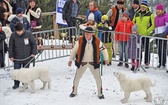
(62, 79)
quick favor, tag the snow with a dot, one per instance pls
(62, 78)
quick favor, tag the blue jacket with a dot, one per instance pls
(26, 24)
(97, 16)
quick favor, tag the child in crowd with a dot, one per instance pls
(105, 36)
(123, 29)
(133, 51)
(89, 23)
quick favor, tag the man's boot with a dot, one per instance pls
(16, 84)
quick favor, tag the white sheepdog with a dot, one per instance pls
(129, 85)
(28, 75)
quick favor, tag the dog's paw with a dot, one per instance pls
(42, 88)
(21, 90)
(148, 100)
(124, 101)
(32, 92)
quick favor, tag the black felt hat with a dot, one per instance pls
(89, 30)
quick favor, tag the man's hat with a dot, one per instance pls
(19, 10)
(89, 30)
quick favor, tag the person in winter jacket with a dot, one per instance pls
(19, 18)
(93, 9)
(105, 36)
(123, 29)
(134, 9)
(22, 48)
(161, 26)
(2, 46)
(133, 50)
(144, 18)
(69, 13)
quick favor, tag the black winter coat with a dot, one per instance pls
(21, 47)
(67, 10)
(2, 43)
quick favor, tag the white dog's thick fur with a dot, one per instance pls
(28, 75)
(129, 85)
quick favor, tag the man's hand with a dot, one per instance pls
(32, 55)
(12, 59)
(64, 21)
(69, 63)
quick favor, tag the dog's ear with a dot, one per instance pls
(120, 76)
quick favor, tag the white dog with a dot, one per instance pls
(129, 85)
(28, 75)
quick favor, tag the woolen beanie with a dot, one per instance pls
(104, 17)
(144, 3)
(19, 10)
(126, 13)
(160, 7)
(91, 16)
(135, 28)
(120, 2)
(135, 2)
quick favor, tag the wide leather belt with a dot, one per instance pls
(84, 63)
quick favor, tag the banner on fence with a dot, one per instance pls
(59, 7)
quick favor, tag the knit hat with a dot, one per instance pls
(126, 13)
(135, 28)
(91, 16)
(160, 7)
(144, 3)
(104, 17)
(135, 2)
(19, 10)
(120, 2)
(89, 30)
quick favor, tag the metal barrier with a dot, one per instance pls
(148, 51)
(48, 38)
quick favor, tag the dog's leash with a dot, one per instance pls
(26, 59)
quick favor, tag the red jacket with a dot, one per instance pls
(124, 27)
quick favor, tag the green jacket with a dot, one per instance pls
(145, 22)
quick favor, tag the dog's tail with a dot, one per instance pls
(153, 84)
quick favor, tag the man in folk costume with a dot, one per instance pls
(87, 52)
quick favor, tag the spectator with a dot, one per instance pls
(144, 18)
(19, 18)
(69, 13)
(2, 47)
(161, 22)
(93, 8)
(114, 15)
(133, 50)
(105, 36)
(19, 3)
(134, 9)
(87, 51)
(89, 23)
(34, 15)
(5, 12)
(124, 26)
(22, 48)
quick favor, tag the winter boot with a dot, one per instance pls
(126, 65)
(120, 64)
(16, 84)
